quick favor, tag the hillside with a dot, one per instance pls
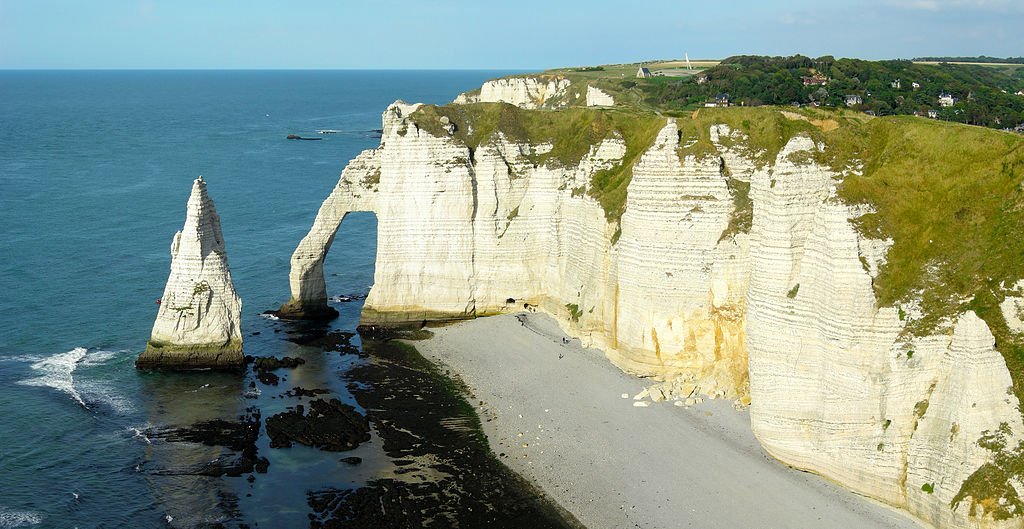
(984, 95)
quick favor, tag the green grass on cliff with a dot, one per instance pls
(572, 133)
(950, 196)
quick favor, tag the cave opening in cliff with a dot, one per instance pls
(349, 265)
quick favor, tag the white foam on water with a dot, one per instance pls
(270, 316)
(57, 372)
(101, 391)
(139, 432)
(9, 519)
(96, 358)
(96, 392)
(21, 358)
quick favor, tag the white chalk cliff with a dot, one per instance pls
(198, 322)
(524, 92)
(547, 91)
(782, 313)
(599, 98)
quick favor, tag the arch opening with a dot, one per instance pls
(351, 265)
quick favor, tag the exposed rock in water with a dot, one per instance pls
(264, 366)
(303, 311)
(339, 341)
(270, 363)
(299, 392)
(414, 408)
(394, 504)
(198, 323)
(237, 436)
(330, 425)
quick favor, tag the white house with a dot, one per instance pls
(946, 100)
(896, 84)
(915, 85)
(643, 73)
(934, 114)
(853, 100)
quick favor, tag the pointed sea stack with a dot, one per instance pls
(197, 326)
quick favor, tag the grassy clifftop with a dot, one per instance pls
(950, 196)
(571, 132)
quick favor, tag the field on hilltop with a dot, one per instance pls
(985, 94)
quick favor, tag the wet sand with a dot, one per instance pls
(554, 413)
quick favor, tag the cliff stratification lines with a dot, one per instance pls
(721, 253)
(198, 322)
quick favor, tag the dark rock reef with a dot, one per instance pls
(329, 425)
(238, 437)
(264, 367)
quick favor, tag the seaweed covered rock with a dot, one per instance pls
(329, 425)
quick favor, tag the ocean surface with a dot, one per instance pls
(95, 169)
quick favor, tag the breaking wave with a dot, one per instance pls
(58, 372)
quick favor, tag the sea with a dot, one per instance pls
(95, 170)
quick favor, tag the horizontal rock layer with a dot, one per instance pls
(783, 315)
(198, 323)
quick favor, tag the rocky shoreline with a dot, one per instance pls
(445, 472)
(400, 440)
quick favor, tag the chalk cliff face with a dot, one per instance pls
(778, 311)
(548, 91)
(524, 92)
(198, 323)
(599, 98)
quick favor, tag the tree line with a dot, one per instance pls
(984, 96)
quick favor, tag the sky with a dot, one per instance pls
(487, 34)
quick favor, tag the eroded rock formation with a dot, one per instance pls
(599, 98)
(198, 323)
(726, 275)
(525, 92)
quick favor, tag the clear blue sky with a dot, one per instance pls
(520, 34)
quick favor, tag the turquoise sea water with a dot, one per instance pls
(95, 169)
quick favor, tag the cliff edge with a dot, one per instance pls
(854, 279)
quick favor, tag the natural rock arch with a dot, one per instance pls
(306, 278)
(308, 285)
